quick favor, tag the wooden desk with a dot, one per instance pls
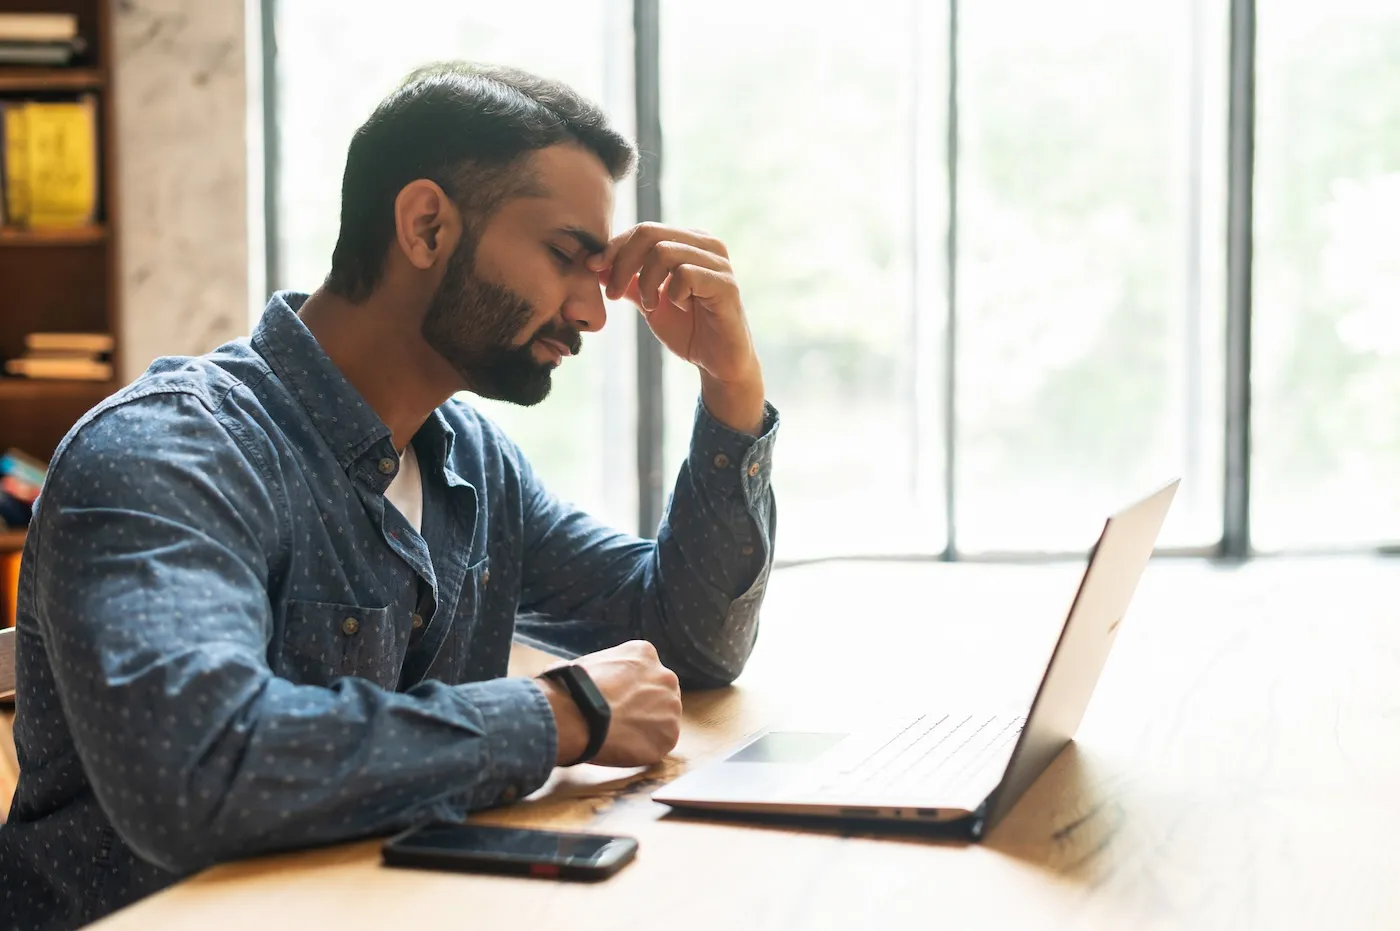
(1236, 770)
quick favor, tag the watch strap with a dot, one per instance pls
(591, 704)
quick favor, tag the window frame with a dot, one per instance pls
(1234, 543)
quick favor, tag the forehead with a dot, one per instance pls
(575, 190)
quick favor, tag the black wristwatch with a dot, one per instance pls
(591, 704)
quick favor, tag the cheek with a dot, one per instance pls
(546, 292)
(537, 320)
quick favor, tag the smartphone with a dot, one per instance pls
(479, 848)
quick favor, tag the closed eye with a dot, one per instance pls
(565, 260)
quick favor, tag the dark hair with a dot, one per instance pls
(469, 128)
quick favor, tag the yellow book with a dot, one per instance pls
(16, 163)
(62, 163)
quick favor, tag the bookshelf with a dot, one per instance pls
(60, 280)
(82, 237)
(16, 80)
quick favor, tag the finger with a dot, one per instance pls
(665, 257)
(703, 240)
(697, 238)
(705, 286)
(630, 293)
(605, 258)
(634, 254)
(630, 255)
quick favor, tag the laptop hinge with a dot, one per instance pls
(979, 821)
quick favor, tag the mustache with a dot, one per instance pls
(561, 333)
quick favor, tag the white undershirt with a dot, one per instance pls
(405, 492)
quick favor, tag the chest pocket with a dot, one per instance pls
(324, 641)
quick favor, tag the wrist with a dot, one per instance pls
(569, 725)
(739, 405)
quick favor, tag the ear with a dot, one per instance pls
(427, 223)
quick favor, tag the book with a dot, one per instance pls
(64, 355)
(14, 152)
(38, 27)
(95, 343)
(21, 478)
(74, 368)
(41, 54)
(18, 462)
(19, 489)
(50, 163)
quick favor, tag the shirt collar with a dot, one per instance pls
(347, 422)
(340, 413)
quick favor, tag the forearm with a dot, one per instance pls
(714, 554)
(737, 405)
(278, 765)
(695, 591)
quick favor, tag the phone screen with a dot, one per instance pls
(514, 843)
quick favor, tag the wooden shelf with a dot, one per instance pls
(62, 280)
(25, 389)
(83, 236)
(11, 541)
(18, 79)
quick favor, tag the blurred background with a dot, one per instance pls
(1066, 353)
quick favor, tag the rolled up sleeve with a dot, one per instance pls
(695, 591)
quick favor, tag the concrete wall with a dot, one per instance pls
(182, 93)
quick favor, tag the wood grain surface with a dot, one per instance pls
(1236, 770)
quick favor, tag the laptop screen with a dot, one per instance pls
(1116, 564)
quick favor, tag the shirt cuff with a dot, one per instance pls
(724, 457)
(520, 740)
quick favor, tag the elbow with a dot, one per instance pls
(181, 849)
(700, 683)
(162, 825)
(718, 674)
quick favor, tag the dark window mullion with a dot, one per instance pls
(272, 235)
(1239, 271)
(950, 346)
(650, 406)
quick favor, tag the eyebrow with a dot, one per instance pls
(591, 244)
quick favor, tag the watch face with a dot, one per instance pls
(590, 691)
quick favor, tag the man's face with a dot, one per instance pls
(511, 309)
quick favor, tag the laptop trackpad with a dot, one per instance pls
(787, 747)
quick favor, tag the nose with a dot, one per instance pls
(585, 309)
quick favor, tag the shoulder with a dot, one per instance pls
(192, 415)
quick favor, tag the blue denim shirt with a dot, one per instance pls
(230, 643)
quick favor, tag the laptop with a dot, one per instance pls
(963, 770)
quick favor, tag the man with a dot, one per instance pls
(269, 594)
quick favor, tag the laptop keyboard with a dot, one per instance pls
(932, 754)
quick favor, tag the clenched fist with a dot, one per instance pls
(645, 698)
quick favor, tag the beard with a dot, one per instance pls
(473, 324)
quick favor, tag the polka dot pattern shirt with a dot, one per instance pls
(229, 642)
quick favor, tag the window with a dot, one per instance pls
(982, 246)
(793, 141)
(1327, 275)
(1090, 267)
